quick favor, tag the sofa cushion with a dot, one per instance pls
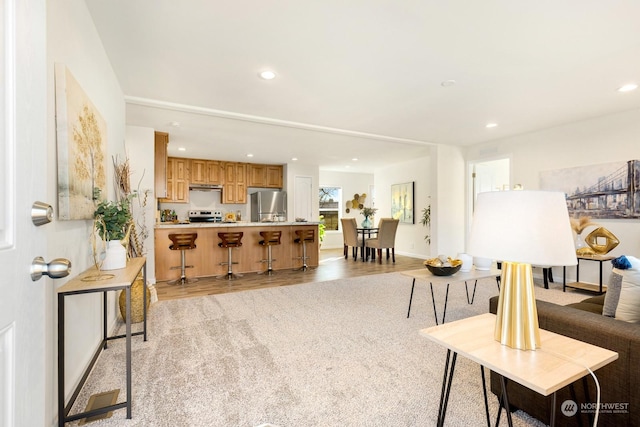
(587, 306)
(629, 303)
(613, 294)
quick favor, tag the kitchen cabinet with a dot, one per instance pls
(177, 180)
(264, 176)
(234, 189)
(273, 176)
(160, 164)
(205, 172)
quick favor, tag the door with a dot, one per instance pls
(23, 161)
(490, 175)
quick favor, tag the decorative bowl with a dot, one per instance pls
(444, 270)
(443, 265)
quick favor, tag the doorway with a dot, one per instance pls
(483, 176)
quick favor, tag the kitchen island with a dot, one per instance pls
(207, 256)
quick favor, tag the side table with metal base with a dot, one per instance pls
(545, 370)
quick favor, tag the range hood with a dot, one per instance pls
(205, 187)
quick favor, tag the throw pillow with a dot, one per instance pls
(612, 296)
(629, 303)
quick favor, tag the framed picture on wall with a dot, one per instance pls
(82, 149)
(402, 202)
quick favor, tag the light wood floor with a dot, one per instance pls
(332, 266)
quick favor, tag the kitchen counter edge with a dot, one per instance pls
(230, 224)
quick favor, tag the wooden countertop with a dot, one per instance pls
(161, 225)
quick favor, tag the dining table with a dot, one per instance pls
(365, 232)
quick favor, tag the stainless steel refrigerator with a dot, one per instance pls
(269, 206)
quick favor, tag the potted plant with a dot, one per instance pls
(426, 221)
(367, 212)
(321, 229)
(113, 223)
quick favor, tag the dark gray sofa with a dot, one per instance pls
(619, 381)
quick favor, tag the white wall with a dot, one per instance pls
(72, 40)
(448, 213)
(351, 183)
(140, 143)
(409, 237)
(601, 140)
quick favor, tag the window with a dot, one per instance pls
(330, 206)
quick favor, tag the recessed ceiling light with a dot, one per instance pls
(175, 124)
(182, 149)
(491, 125)
(267, 75)
(249, 155)
(628, 87)
(294, 159)
(448, 83)
(355, 159)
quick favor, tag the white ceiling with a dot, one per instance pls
(362, 78)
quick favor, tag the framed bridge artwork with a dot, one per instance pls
(81, 141)
(607, 190)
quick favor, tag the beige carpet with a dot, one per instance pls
(337, 353)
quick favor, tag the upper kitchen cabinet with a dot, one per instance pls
(205, 172)
(160, 164)
(234, 189)
(264, 176)
(177, 180)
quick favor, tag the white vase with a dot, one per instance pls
(115, 256)
(467, 262)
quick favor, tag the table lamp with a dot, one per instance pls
(521, 228)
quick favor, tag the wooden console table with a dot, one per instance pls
(559, 362)
(90, 281)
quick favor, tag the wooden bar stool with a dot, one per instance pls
(304, 236)
(182, 242)
(229, 241)
(269, 238)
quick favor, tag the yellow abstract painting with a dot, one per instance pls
(81, 145)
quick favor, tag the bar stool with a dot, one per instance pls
(304, 236)
(182, 242)
(269, 238)
(229, 241)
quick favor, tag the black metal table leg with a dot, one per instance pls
(128, 310)
(449, 367)
(413, 285)
(433, 300)
(504, 400)
(486, 400)
(144, 299)
(61, 411)
(473, 297)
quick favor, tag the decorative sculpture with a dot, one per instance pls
(611, 241)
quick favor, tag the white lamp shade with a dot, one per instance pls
(530, 227)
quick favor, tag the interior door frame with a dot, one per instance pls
(471, 191)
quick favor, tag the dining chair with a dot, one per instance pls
(350, 237)
(386, 238)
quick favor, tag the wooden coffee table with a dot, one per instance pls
(559, 362)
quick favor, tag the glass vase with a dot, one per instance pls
(366, 223)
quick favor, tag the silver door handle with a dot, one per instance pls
(56, 269)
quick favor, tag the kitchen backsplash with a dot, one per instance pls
(205, 200)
